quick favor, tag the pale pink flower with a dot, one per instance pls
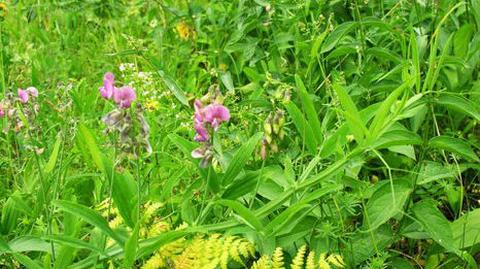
(124, 96)
(2, 112)
(32, 91)
(23, 96)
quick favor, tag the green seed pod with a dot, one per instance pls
(273, 147)
(268, 138)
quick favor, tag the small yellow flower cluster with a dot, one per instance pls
(185, 31)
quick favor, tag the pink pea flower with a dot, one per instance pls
(32, 91)
(124, 96)
(23, 96)
(199, 123)
(108, 88)
(2, 112)
(216, 114)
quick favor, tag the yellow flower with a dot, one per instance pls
(3, 10)
(152, 105)
(184, 31)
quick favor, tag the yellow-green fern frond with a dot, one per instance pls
(322, 262)
(155, 262)
(310, 263)
(299, 261)
(277, 259)
(336, 260)
(263, 263)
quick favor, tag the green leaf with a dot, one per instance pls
(26, 261)
(460, 104)
(310, 112)
(240, 158)
(185, 145)
(379, 121)
(466, 230)
(378, 212)
(337, 35)
(53, 156)
(397, 138)
(435, 224)
(352, 115)
(455, 145)
(242, 186)
(173, 87)
(86, 137)
(303, 128)
(29, 243)
(124, 194)
(89, 216)
(432, 171)
(150, 245)
(131, 247)
(245, 214)
(462, 39)
(74, 242)
(4, 246)
(227, 81)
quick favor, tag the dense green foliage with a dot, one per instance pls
(352, 139)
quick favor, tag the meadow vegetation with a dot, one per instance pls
(239, 134)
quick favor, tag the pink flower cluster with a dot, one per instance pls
(209, 116)
(7, 105)
(24, 95)
(123, 96)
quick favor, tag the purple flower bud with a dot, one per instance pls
(124, 96)
(108, 88)
(23, 96)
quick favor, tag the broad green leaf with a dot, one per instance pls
(87, 138)
(29, 243)
(309, 108)
(462, 39)
(460, 104)
(455, 145)
(303, 128)
(397, 138)
(337, 35)
(466, 230)
(124, 194)
(435, 224)
(240, 158)
(378, 212)
(53, 156)
(227, 81)
(245, 214)
(89, 216)
(364, 245)
(352, 115)
(431, 171)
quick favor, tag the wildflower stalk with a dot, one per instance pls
(44, 196)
